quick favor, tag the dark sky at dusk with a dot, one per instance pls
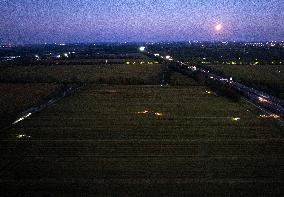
(70, 21)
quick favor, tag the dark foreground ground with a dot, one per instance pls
(111, 140)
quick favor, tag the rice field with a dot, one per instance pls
(146, 140)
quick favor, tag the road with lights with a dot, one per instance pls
(260, 99)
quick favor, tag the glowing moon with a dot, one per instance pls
(218, 27)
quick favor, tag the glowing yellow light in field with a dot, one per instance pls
(150, 113)
(235, 118)
(22, 136)
(158, 114)
(208, 92)
(143, 112)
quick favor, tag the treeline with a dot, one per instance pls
(219, 54)
(71, 61)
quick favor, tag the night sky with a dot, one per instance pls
(73, 21)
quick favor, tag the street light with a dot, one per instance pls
(142, 49)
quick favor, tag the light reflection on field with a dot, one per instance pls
(150, 112)
(22, 136)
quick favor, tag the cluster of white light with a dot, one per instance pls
(142, 49)
(208, 92)
(262, 100)
(270, 116)
(141, 62)
(255, 44)
(22, 118)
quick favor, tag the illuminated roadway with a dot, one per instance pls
(260, 99)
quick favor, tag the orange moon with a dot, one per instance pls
(218, 27)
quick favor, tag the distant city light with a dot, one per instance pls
(168, 57)
(142, 49)
(262, 100)
(275, 116)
